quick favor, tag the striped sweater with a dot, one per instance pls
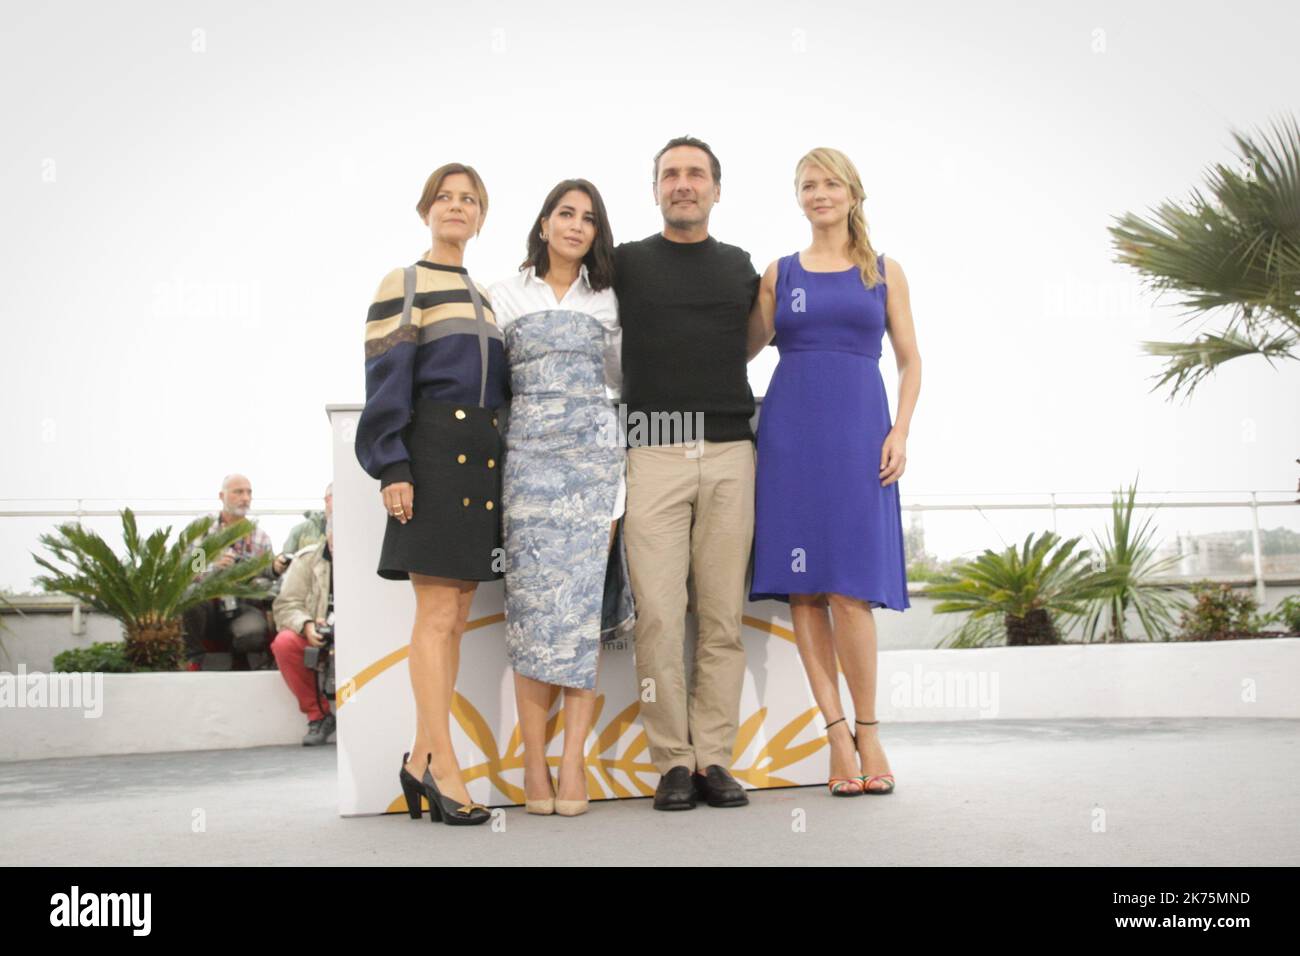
(440, 353)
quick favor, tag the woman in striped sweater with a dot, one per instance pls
(435, 377)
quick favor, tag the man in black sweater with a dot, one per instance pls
(684, 301)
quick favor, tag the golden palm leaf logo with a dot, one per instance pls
(779, 752)
(609, 774)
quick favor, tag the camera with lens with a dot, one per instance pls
(321, 659)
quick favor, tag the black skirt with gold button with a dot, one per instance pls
(456, 454)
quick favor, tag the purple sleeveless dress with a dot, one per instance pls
(822, 521)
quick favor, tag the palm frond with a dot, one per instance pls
(1130, 554)
(1043, 575)
(1235, 248)
(156, 582)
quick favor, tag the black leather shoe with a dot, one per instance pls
(675, 791)
(719, 787)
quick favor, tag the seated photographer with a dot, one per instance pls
(302, 609)
(311, 530)
(232, 633)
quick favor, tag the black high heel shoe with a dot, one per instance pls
(440, 807)
(411, 789)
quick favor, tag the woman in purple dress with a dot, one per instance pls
(828, 533)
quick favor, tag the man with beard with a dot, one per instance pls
(684, 302)
(210, 628)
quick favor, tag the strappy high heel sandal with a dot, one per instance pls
(866, 779)
(843, 786)
(440, 807)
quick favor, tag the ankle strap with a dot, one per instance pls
(834, 722)
(867, 722)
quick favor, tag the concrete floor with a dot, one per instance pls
(1085, 792)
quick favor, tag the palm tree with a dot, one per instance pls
(151, 589)
(1238, 250)
(1020, 594)
(1132, 556)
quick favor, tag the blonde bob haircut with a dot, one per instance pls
(860, 252)
(434, 183)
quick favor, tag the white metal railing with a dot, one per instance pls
(1055, 503)
(1253, 500)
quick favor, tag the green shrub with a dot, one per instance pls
(1220, 613)
(149, 588)
(1287, 613)
(106, 657)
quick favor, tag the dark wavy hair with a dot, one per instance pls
(599, 259)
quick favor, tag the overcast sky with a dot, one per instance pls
(200, 199)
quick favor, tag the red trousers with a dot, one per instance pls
(288, 648)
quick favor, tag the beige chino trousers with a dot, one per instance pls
(690, 511)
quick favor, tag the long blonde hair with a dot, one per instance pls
(860, 252)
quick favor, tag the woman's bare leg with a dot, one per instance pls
(579, 708)
(579, 711)
(854, 633)
(813, 638)
(441, 610)
(533, 703)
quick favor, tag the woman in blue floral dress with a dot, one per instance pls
(566, 582)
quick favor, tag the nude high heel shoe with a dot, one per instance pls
(543, 807)
(570, 808)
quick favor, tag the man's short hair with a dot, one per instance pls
(698, 144)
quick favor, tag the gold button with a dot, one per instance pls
(460, 413)
(465, 502)
(492, 462)
(461, 459)
(488, 506)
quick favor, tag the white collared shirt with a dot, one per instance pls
(524, 293)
